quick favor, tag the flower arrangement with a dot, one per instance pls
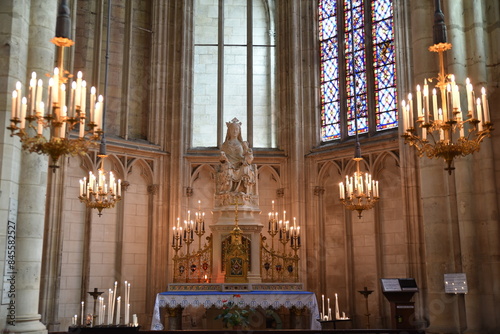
(234, 314)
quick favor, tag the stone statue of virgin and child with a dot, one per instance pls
(236, 175)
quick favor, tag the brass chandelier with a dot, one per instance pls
(359, 192)
(441, 131)
(101, 192)
(45, 127)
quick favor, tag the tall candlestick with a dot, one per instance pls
(337, 313)
(329, 309)
(82, 312)
(118, 300)
(323, 305)
(127, 310)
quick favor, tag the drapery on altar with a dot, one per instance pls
(253, 299)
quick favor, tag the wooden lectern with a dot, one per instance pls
(399, 292)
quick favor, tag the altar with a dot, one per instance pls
(235, 257)
(299, 301)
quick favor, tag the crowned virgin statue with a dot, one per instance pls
(236, 175)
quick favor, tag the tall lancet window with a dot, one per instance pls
(363, 29)
(233, 71)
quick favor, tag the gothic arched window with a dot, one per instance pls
(368, 27)
(233, 71)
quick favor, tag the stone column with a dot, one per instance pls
(30, 228)
(33, 179)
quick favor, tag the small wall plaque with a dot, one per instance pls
(455, 283)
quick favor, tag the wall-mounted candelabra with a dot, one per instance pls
(192, 265)
(280, 266)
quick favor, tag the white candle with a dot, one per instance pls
(83, 309)
(128, 304)
(486, 109)
(426, 101)
(62, 97)
(479, 115)
(110, 302)
(78, 85)
(40, 119)
(74, 320)
(419, 102)
(127, 309)
(117, 321)
(81, 132)
(72, 93)
(456, 95)
(31, 95)
(440, 117)
(470, 100)
(405, 116)
(134, 320)
(98, 114)
(63, 118)
(50, 88)
(92, 104)
(323, 305)
(14, 103)
(435, 105)
(55, 95)
(23, 112)
(337, 315)
(410, 104)
(39, 93)
(83, 100)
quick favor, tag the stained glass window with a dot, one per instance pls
(362, 84)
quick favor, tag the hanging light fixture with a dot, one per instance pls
(100, 192)
(360, 191)
(31, 116)
(95, 192)
(442, 132)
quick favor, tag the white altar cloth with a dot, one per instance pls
(265, 299)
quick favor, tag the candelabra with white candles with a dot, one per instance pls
(286, 232)
(192, 265)
(100, 192)
(63, 110)
(359, 192)
(281, 266)
(434, 122)
(46, 113)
